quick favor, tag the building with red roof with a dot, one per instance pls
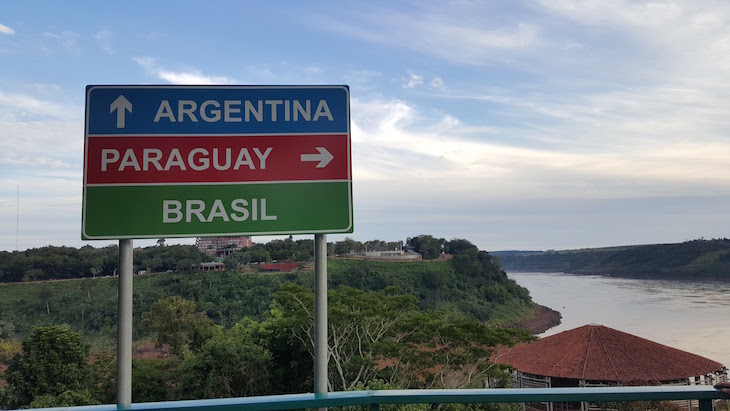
(595, 355)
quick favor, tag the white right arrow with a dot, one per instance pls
(324, 157)
(121, 105)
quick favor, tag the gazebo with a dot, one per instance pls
(595, 355)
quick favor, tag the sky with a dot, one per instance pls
(535, 125)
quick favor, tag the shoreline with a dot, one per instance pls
(543, 319)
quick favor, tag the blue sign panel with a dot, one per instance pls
(240, 110)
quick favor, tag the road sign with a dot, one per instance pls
(187, 161)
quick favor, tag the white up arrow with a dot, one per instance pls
(324, 157)
(121, 105)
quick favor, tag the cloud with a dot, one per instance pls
(393, 138)
(6, 30)
(67, 41)
(413, 81)
(438, 83)
(464, 32)
(103, 38)
(23, 105)
(180, 77)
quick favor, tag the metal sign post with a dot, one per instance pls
(321, 352)
(124, 335)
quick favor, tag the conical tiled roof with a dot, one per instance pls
(599, 353)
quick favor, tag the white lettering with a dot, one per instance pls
(186, 107)
(216, 114)
(257, 113)
(262, 157)
(148, 157)
(236, 111)
(194, 207)
(129, 160)
(172, 211)
(175, 159)
(216, 160)
(228, 104)
(204, 161)
(108, 156)
(171, 207)
(244, 158)
(298, 109)
(265, 217)
(323, 110)
(273, 104)
(217, 211)
(164, 111)
(238, 206)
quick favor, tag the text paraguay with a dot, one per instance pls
(198, 159)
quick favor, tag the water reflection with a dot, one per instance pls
(691, 316)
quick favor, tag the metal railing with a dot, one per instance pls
(373, 399)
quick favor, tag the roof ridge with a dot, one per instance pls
(568, 351)
(608, 354)
(638, 364)
(650, 353)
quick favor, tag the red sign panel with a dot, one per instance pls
(177, 159)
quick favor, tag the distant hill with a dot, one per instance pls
(697, 259)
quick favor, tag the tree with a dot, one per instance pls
(54, 360)
(460, 348)
(231, 364)
(8, 350)
(155, 379)
(86, 285)
(428, 246)
(237, 258)
(383, 334)
(359, 324)
(45, 293)
(65, 399)
(177, 323)
(347, 245)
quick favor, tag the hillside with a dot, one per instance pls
(471, 287)
(698, 259)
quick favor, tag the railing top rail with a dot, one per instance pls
(497, 395)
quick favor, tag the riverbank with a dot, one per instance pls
(542, 320)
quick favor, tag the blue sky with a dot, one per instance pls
(517, 125)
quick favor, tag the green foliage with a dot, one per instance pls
(383, 334)
(176, 322)
(470, 284)
(428, 246)
(65, 399)
(54, 360)
(155, 380)
(698, 259)
(177, 258)
(46, 263)
(231, 364)
(57, 263)
(4, 398)
(347, 246)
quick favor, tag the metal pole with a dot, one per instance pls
(320, 315)
(124, 337)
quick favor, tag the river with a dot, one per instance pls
(693, 316)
